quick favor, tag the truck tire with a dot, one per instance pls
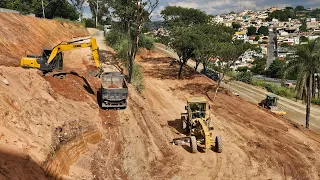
(218, 144)
(193, 144)
(183, 123)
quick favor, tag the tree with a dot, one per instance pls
(62, 9)
(132, 14)
(185, 43)
(259, 66)
(276, 69)
(252, 31)
(303, 28)
(99, 8)
(180, 16)
(236, 26)
(78, 4)
(263, 30)
(257, 38)
(228, 56)
(289, 8)
(307, 60)
(304, 39)
(209, 44)
(300, 8)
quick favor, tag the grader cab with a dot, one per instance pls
(196, 126)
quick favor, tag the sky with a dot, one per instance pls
(215, 7)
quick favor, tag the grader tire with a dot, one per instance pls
(218, 144)
(193, 144)
(183, 123)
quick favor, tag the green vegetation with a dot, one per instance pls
(146, 42)
(180, 16)
(307, 63)
(278, 90)
(53, 9)
(263, 30)
(315, 101)
(276, 69)
(236, 26)
(259, 66)
(245, 77)
(282, 15)
(89, 23)
(252, 31)
(62, 20)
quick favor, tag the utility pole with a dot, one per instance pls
(97, 13)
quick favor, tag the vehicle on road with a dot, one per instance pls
(114, 90)
(196, 125)
(211, 74)
(271, 102)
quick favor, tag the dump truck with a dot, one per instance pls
(114, 90)
(271, 103)
(195, 124)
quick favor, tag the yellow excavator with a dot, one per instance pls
(52, 59)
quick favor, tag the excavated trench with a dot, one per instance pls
(59, 163)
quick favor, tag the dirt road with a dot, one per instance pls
(295, 110)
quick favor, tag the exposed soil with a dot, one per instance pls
(23, 34)
(257, 144)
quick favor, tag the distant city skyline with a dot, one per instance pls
(215, 7)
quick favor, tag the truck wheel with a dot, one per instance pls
(193, 144)
(183, 123)
(218, 144)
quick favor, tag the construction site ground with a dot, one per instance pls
(54, 127)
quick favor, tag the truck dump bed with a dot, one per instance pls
(114, 90)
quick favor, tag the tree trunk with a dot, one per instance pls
(197, 64)
(218, 86)
(180, 70)
(134, 47)
(309, 95)
(204, 68)
(318, 86)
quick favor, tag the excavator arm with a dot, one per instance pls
(64, 46)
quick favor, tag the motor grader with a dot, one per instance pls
(196, 126)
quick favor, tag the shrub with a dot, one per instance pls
(316, 101)
(137, 78)
(245, 77)
(146, 42)
(89, 23)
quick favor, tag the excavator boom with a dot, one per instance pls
(52, 59)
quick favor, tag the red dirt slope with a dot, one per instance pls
(20, 34)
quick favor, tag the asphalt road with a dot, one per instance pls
(295, 110)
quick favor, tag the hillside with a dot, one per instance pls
(23, 34)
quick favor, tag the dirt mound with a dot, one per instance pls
(22, 34)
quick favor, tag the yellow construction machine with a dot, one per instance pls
(271, 102)
(196, 126)
(52, 59)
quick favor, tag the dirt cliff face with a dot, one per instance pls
(22, 34)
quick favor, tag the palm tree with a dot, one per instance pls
(307, 61)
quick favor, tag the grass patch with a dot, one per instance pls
(62, 20)
(316, 101)
(278, 90)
